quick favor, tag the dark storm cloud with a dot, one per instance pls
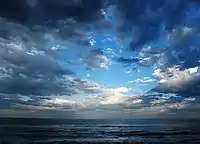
(30, 67)
(184, 47)
(128, 60)
(143, 61)
(37, 12)
(185, 88)
(12, 100)
(35, 65)
(147, 18)
(133, 63)
(169, 28)
(64, 20)
(27, 65)
(147, 21)
(29, 86)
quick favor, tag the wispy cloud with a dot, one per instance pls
(143, 80)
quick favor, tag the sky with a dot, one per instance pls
(100, 59)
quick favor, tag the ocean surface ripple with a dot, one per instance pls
(60, 131)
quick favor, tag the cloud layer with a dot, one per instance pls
(47, 47)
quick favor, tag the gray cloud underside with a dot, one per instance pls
(187, 88)
(27, 66)
(165, 28)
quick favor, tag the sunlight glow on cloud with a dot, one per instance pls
(143, 80)
(60, 101)
(174, 75)
(175, 81)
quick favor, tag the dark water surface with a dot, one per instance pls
(158, 131)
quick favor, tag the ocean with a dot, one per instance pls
(73, 131)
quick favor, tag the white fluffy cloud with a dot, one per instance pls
(114, 95)
(111, 96)
(116, 99)
(142, 80)
(174, 75)
(60, 101)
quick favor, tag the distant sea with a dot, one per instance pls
(73, 131)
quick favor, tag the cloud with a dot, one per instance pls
(113, 95)
(97, 59)
(40, 39)
(86, 86)
(119, 100)
(156, 37)
(184, 111)
(142, 80)
(12, 100)
(174, 74)
(71, 21)
(128, 60)
(110, 99)
(183, 49)
(28, 66)
(29, 86)
(63, 104)
(37, 12)
(173, 80)
(32, 3)
(31, 54)
(144, 59)
(59, 101)
(173, 107)
(109, 96)
(33, 95)
(146, 19)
